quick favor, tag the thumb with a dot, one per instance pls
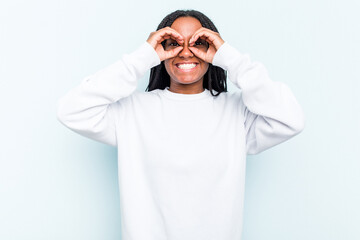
(173, 52)
(198, 53)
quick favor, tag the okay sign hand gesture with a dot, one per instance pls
(205, 36)
(157, 37)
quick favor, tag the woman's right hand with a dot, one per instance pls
(157, 37)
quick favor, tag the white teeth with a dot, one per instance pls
(187, 66)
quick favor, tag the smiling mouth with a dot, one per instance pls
(186, 66)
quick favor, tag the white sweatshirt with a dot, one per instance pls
(181, 157)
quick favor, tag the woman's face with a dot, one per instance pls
(186, 68)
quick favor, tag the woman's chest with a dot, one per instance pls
(181, 124)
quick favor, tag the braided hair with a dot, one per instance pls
(214, 78)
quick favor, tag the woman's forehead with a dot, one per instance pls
(186, 26)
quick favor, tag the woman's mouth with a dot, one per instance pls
(186, 67)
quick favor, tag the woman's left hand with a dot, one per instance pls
(214, 40)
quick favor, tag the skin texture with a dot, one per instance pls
(186, 42)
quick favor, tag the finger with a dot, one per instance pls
(198, 53)
(176, 34)
(172, 36)
(173, 52)
(167, 33)
(196, 33)
(209, 37)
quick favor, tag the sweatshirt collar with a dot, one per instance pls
(182, 96)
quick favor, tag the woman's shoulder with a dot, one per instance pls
(140, 97)
(231, 95)
(231, 99)
(146, 96)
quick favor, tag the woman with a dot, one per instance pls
(181, 147)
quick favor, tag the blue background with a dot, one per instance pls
(55, 184)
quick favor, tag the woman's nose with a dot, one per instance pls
(185, 52)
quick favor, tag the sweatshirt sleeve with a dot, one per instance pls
(90, 108)
(271, 112)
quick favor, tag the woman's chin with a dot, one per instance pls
(186, 81)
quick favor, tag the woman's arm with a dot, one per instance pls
(271, 112)
(89, 109)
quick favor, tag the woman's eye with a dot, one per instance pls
(174, 44)
(201, 43)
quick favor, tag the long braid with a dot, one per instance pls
(215, 77)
